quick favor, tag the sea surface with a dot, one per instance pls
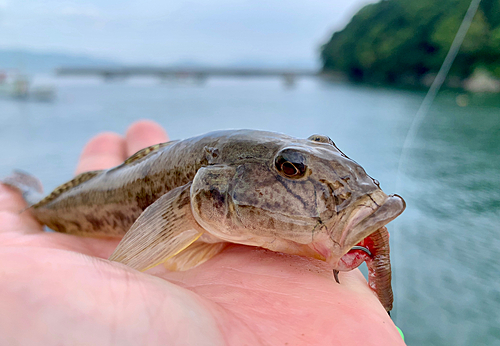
(445, 246)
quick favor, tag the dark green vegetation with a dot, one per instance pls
(401, 41)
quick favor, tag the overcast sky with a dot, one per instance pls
(213, 32)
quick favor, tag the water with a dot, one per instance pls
(446, 268)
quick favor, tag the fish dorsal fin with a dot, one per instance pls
(162, 231)
(146, 151)
(79, 179)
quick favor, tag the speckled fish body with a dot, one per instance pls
(297, 196)
(107, 203)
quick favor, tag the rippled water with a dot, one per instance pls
(446, 268)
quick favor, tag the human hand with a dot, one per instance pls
(59, 289)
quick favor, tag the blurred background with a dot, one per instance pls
(353, 70)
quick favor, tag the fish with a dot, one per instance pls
(182, 202)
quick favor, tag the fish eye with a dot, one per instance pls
(325, 139)
(291, 164)
(321, 139)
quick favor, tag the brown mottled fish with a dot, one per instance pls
(180, 202)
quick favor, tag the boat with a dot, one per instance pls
(16, 85)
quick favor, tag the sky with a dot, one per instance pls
(158, 32)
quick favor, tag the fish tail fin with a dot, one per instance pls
(30, 187)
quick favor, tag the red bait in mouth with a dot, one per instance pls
(375, 251)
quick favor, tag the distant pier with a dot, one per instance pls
(289, 75)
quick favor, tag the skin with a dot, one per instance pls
(59, 289)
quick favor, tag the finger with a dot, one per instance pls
(11, 199)
(103, 151)
(11, 217)
(142, 134)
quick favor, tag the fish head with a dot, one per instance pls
(303, 197)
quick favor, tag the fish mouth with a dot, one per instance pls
(367, 217)
(363, 237)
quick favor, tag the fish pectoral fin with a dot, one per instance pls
(196, 254)
(162, 231)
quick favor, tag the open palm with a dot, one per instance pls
(58, 289)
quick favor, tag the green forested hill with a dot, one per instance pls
(400, 41)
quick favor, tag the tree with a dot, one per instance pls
(400, 41)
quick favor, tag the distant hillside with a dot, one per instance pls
(403, 41)
(35, 62)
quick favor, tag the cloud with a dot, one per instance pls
(162, 32)
(80, 11)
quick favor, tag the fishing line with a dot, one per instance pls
(430, 96)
